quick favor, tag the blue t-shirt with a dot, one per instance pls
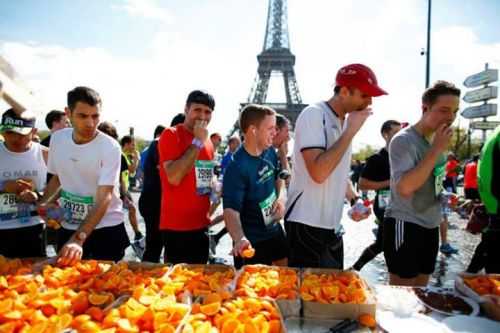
(225, 161)
(248, 182)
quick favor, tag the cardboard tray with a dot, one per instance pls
(288, 308)
(464, 289)
(487, 303)
(283, 326)
(315, 310)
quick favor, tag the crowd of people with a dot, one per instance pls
(276, 210)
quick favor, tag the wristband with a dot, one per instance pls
(197, 143)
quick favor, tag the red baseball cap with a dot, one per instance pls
(361, 77)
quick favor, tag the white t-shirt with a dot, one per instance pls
(81, 168)
(310, 203)
(28, 165)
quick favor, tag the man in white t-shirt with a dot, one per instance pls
(321, 161)
(86, 167)
(23, 172)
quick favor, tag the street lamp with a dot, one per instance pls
(428, 50)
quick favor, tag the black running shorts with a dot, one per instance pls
(409, 249)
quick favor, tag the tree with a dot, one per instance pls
(364, 153)
(459, 144)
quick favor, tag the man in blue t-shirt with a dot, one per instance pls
(232, 145)
(251, 192)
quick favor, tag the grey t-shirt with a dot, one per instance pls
(406, 150)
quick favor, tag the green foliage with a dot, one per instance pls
(364, 153)
(459, 144)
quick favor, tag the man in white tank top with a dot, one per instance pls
(85, 164)
(23, 173)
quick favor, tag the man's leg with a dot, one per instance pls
(308, 247)
(443, 230)
(154, 241)
(478, 261)
(108, 243)
(395, 280)
(371, 251)
(492, 241)
(401, 252)
(445, 247)
(189, 247)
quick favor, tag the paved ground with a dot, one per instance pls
(359, 235)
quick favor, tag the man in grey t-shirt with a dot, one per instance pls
(412, 218)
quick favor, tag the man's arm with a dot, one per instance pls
(72, 251)
(52, 191)
(366, 184)
(233, 225)
(321, 163)
(178, 169)
(413, 179)
(350, 193)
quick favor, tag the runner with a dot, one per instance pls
(446, 209)
(23, 173)
(452, 170)
(280, 143)
(128, 167)
(55, 120)
(376, 176)
(150, 200)
(412, 218)
(216, 140)
(251, 192)
(86, 165)
(186, 174)
(470, 180)
(489, 190)
(321, 161)
(232, 145)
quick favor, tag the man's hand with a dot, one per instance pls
(200, 131)
(71, 253)
(28, 196)
(278, 210)
(442, 138)
(240, 246)
(356, 119)
(17, 186)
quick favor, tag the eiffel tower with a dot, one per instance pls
(276, 59)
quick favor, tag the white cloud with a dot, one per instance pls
(217, 52)
(147, 9)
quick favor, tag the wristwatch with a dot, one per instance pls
(197, 143)
(81, 236)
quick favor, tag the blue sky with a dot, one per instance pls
(145, 56)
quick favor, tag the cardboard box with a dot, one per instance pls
(338, 311)
(489, 303)
(199, 300)
(288, 307)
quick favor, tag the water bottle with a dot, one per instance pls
(361, 207)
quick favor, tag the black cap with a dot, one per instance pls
(22, 123)
(201, 97)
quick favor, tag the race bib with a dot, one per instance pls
(266, 207)
(204, 171)
(383, 198)
(78, 206)
(8, 203)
